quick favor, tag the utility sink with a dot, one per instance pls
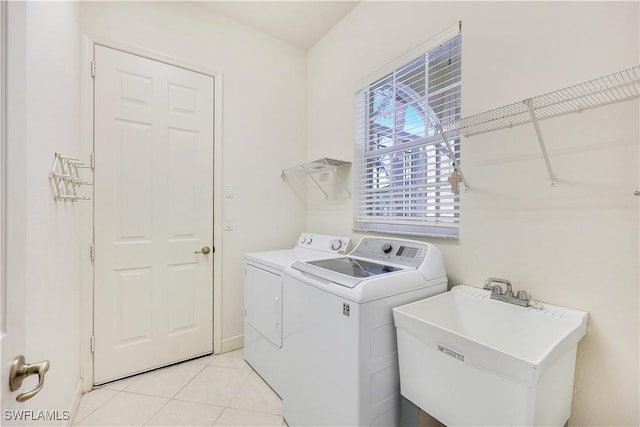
(470, 360)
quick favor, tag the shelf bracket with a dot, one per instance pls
(333, 171)
(452, 156)
(326, 195)
(553, 182)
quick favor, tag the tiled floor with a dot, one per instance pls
(219, 390)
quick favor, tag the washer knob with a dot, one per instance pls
(309, 240)
(336, 244)
(386, 248)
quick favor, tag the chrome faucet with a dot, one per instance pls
(522, 298)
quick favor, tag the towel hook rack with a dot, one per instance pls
(65, 178)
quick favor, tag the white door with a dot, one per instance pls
(153, 211)
(13, 263)
(12, 298)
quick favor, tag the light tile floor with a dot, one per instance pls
(220, 390)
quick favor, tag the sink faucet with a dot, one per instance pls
(522, 298)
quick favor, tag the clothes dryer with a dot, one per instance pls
(263, 299)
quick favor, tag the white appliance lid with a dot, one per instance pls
(354, 267)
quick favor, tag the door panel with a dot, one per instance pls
(153, 211)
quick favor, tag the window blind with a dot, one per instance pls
(402, 162)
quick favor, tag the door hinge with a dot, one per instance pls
(93, 343)
(93, 68)
(93, 161)
(93, 252)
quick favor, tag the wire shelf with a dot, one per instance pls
(617, 87)
(320, 165)
(316, 166)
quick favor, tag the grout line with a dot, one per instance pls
(219, 415)
(117, 392)
(155, 413)
(202, 368)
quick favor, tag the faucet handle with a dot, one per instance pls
(523, 295)
(487, 283)
(509, 291)
(497, 290)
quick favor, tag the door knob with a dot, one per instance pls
(21, 370)
(205, 251)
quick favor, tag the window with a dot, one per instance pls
(402, 161)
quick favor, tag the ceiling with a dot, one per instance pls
(301, 23)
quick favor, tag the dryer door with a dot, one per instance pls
(263, 303)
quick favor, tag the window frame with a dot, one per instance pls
(426, 208)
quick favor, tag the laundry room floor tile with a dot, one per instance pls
(214, 386)
(165, 382)
(211, 390)
(177, 413)
(124, 409)
(256, 395)
(240, 417)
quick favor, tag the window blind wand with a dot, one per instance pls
(452, 156)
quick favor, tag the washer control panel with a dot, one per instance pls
(323, 243)
(410, 253)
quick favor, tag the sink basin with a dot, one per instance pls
(470, 360)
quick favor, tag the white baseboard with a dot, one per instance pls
(74, 404)
(232, 343)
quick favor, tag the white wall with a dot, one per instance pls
(575, 245)
(263, 121)
(48, 244)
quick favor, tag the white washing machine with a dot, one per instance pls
(339, 340)
(263, 298)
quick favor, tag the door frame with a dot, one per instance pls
(87, 120)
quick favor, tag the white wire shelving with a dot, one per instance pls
(613, 88)
(318, 166)
(65, 178)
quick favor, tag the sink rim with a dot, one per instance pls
(487, 355)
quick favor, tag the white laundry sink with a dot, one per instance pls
(470, 360)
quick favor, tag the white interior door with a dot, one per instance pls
(12, 225)
(153, 294)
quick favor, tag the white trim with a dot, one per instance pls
(86, 220)
(3, 160)
(421, 49)
(217, 213)
(150, 54)
(86, 365)
(232, 343)
(74, 404)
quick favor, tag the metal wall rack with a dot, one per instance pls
(317, 166)
(617, 87)
(65, 178)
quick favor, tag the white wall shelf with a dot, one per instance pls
(318, 166)
(617, 87)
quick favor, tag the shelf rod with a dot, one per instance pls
(553, 182)
(453, 158)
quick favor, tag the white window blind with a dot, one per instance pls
(402, 163)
